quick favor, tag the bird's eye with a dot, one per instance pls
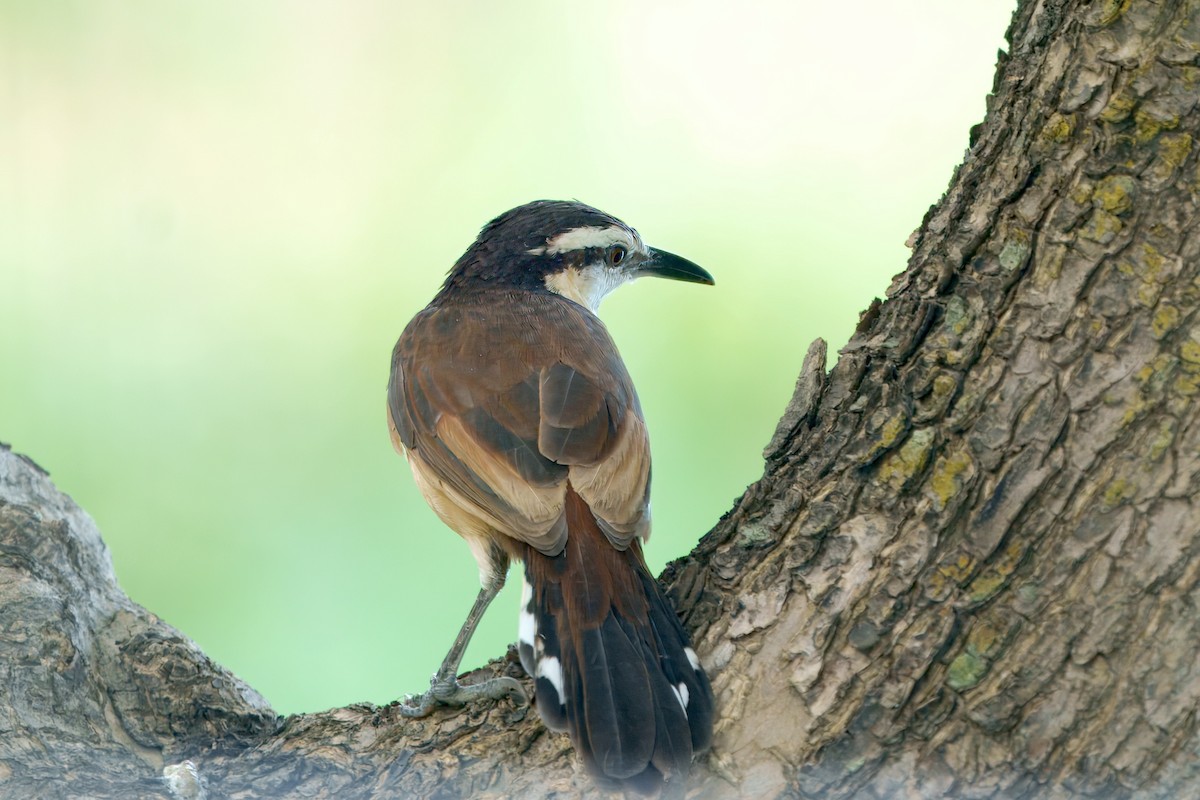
(616, 255)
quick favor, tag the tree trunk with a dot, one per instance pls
(970, 569)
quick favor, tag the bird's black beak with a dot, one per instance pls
(668, 265)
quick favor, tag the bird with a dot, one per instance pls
(524, 434)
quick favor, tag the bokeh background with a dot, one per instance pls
(217, 217)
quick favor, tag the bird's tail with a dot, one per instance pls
(610, 660)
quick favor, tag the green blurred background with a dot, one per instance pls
(216, 218)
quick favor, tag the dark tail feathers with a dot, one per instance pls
(611, 663)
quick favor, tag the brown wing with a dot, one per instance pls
(497, 413)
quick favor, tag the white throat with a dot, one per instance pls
(587, 286)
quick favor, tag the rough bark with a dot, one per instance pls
(970, 569)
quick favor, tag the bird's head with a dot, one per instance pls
(567, 248)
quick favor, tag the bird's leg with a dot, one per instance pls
(445, 688)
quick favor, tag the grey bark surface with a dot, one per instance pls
(970, 569)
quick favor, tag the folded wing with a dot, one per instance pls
(499, 431)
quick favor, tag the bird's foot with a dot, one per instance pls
(449, 692)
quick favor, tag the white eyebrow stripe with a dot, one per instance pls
(588, 236)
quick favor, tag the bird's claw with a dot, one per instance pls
(452, 693)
